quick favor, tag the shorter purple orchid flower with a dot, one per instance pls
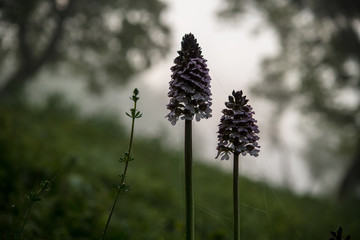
(237, 129)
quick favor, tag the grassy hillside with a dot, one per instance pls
(80, 156)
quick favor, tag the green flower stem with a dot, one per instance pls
(236, 197)
(127, 160)
(189, 182)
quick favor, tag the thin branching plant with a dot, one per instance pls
(237, 135)
(189, 96)
(33, 197)
(126, 158)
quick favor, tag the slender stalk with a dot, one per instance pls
(17, 230)
(189, 182)
(22, 220)
(236, 197)
(19, 234)
(122, 179)
(110, 215)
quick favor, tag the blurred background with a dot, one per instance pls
(68, 68)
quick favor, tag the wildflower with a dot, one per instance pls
(237, 129)
(237, 134)
(190, 84)
(189, 96)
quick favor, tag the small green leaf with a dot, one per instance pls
(125, 188)
(138, 114)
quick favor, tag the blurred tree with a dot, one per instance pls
(317, 67)
(107, 40)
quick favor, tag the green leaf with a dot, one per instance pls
(125, 188)
(138, 114)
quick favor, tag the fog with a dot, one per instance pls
(234, 51)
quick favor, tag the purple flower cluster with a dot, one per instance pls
(237, 129)
(190, 84)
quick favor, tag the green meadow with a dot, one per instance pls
(79, 155)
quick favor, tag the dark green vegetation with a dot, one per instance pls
(80, 156)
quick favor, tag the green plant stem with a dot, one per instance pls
(22, 220)
(189, 196)
(122, 180)
(236, 197)
(19, 234)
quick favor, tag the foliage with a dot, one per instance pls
(317, 68)
(338, 235)
(107, 41)
(82, 153)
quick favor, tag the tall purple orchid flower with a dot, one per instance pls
(189, 96)
(190, 84)
(238, 135)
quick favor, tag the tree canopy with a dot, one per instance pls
(107, 40)
(317, 68)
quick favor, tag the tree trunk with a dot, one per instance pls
(351, 177)
(16, 83)
(28, 64)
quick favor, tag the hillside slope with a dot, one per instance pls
(80, 156)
